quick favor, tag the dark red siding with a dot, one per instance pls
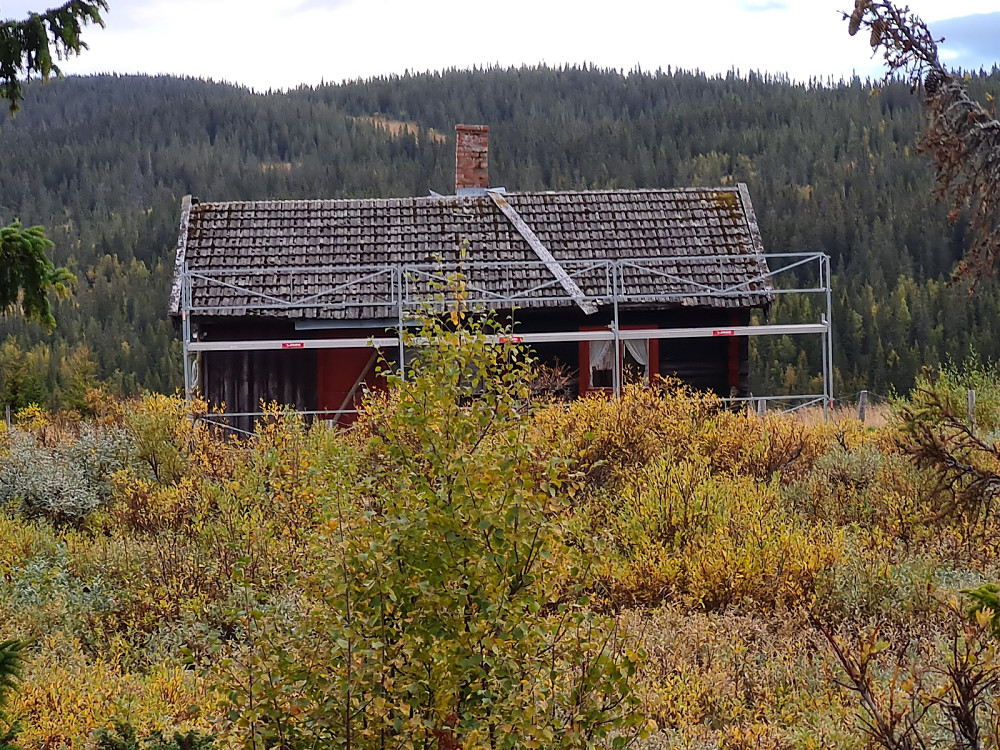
(342, 377)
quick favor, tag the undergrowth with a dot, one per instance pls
(157, 570)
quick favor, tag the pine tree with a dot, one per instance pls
(961, 136)
(10, 672)
(27, 274)
(26, 47)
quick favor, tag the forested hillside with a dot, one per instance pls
(103, 162)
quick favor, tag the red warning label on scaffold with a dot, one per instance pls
(293, 345)
(511, 339)
(724, 332)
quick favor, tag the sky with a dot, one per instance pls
(278, 44)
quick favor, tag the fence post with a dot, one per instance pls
(972, 410)
(862, 406)
(761, 407)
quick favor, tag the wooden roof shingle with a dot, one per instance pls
(320, 258)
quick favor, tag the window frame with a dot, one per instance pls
(586, 384)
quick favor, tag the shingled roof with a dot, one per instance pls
(320, 258)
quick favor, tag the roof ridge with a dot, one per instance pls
(469, 198)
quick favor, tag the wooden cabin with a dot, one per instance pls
(294, 301)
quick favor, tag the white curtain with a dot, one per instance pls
(639, 349)
(602, 355)
(602, 358)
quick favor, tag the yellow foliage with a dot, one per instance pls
(20, 541)
(715, 530)
(722, 679)
(32, 418)
(681, 533)
(65, 696)
(607, 437)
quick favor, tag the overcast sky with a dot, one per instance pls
(283, 43)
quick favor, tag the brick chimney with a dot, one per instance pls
(471, 158)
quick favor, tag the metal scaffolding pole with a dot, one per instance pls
(546, 337)
(826, 379)
(616, 375)
(829, 321)
(186, 334)
(398, 273)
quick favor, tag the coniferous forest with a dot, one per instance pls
(102, 162)
(470, 565)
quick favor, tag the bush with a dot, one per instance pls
(606, 439)
(436, 613)
(163, 433)
(67, 694)
(45, 597)
(680, 533)
(63, 484)
(945, 391)
(125, 737)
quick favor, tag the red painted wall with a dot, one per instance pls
(734, 359)
(342, 376)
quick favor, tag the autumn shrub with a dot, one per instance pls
(960, 462)
(945, 391)
(49, 428)
(435, 612)
(143, 506)
(735, 443)
(699, 504)
(937, 691)
(181, 567)
(22, 541)
(228, 505)
(866, 583)
(45, 596)
(163, 433)
(66, 694)
(606, 438)
(680, 532)
(873, 490)
(740, 680)
(64, 483)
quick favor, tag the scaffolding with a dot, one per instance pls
(395, 293)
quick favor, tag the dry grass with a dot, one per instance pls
(878, 415)
(396, 128)
(278, 166)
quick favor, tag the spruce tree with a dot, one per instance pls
(10, 672)
(27, 47)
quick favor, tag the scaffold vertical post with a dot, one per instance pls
(186, 355)
(186, 334)
(828, 278)
(826, 379)
(616, 375)
(400, 312)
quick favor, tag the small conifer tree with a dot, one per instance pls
(10, 672)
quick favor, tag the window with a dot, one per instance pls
(602, 364)
(638, 359)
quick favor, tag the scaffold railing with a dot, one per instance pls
(396, 293)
